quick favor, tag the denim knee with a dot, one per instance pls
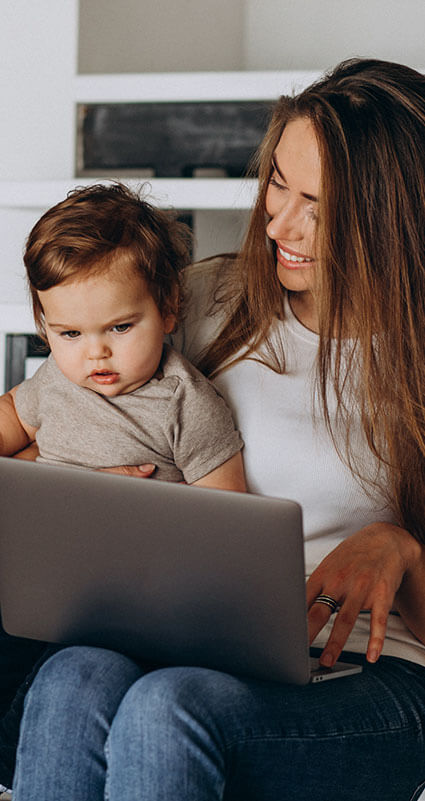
(172, 697)
(67, 716)
(84, 670)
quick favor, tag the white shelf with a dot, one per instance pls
(179, 193)
(189, 86)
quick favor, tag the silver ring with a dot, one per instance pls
(327, 601)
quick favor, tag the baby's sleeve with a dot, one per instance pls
(204, 433)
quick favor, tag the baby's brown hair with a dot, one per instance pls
(83, 234)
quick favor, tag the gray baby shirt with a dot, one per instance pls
(177, 421)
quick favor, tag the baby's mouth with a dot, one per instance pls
(104, 376)
(101, 372)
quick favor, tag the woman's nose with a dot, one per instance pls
(286, 224)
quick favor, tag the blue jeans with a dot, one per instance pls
(97, 727)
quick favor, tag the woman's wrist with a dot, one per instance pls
(413, 550)
(410, 550)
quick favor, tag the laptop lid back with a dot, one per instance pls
(167, 573)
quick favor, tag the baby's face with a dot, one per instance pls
(105, 332)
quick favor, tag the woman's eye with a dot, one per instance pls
(70, 334)
(274, 182)
(121, 328)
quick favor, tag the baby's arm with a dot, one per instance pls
(229, 476)
(14, 433)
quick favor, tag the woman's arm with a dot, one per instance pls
(379, 568)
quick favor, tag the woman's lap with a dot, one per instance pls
(357, 737)
(201, 735)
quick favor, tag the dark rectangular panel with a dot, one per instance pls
(19, 347)
(172, 139)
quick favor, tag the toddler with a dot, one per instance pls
(104, 271)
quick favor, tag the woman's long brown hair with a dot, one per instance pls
(369, 119)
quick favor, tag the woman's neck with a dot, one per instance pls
(303, 306)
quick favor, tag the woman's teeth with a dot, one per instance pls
(290, 257)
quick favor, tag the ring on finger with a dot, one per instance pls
(327, 600)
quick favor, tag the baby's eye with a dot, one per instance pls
(121, 328)
(70, 334)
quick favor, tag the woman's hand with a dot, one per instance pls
(363, 572)
(137, 471)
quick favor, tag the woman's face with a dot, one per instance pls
(292, 203)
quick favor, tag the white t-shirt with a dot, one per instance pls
(288, 451)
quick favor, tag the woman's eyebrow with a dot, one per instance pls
(280, 173)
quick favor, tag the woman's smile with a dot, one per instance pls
(291, 259)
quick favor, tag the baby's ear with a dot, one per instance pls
(169, 322)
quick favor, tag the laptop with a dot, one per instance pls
(166, 573)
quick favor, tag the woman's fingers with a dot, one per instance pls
(343, 626)
(378, 627)
(318, 616)
(362, 574)
(344, 620)
(138, 471)
(341, 630)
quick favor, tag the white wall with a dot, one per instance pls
(38, 47)
(317, 34)
(163, 35)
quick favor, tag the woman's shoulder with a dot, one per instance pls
(207, 283)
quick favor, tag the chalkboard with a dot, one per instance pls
(171, 139)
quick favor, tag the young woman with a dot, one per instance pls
(315, 335)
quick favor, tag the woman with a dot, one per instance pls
(315, 334)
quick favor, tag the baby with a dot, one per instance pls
(104, 271)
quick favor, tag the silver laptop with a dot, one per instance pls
(166, 573)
